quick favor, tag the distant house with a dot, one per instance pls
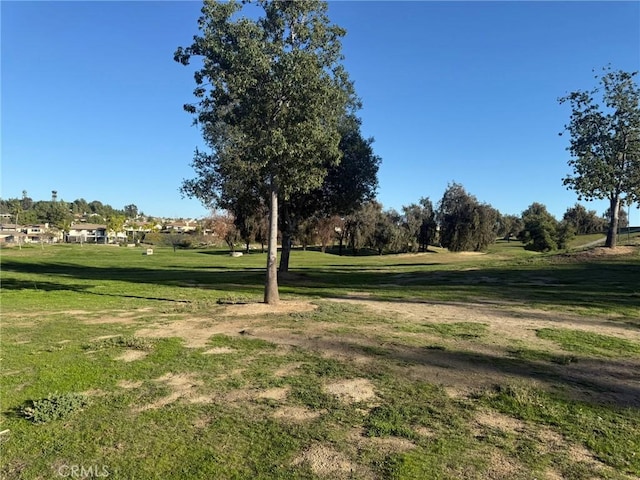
(87, 233)
(10, 227)
(93, 233)
(181, 226)
(42, 233)
(136, 230)
(8, 236)
(39, 233)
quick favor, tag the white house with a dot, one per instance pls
(86, 233)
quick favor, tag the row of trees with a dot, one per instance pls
(458, 222)
(59, 213)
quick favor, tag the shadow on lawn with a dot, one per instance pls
(598, 381)
(13, 284)
(603, 285)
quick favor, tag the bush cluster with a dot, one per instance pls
(53, 407)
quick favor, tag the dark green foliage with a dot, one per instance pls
(420, 225)
(347, 186)
(509, 226)
(465, 224)
(605, 143)
(53, 407)
(270, 96)
(542, 232)
(55, 212)
(584, 222)
(360, 226)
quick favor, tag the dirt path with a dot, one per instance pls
(460, 364)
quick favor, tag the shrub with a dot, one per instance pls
(53, 407)
(135, 343)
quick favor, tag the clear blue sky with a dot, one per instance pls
(452, 91)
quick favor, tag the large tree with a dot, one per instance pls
(605, 143)
(465, 223)
(584, 222)
(541, 232)
(270, 95)
(346, 187)
(420, 225)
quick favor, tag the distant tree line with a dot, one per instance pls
(348, 217)
(458, 222)
(60, 214)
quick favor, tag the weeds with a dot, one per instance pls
(135, 343)
(53, 407)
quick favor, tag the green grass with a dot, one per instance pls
(447, 330)
(95, 277)
(612, 434)
(219, 411)
(590, 343)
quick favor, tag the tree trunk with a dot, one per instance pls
(271, 295)
(289, 225)
(286, 251)
(612, 232)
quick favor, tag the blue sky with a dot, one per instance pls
(452, 91)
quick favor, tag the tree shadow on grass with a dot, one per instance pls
(13, 284)
(597, 381)
(602, 285)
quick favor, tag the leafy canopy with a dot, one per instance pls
(270, 95)
(605, 138)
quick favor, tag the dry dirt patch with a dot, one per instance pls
(278, 393)
(286, 370)
(501, 467)
(326, 462)
(219, 351)
(602, 252)
(352, 390)
(128, 384)
(380, 444)
(296, 414)
(461, 365)
(500, 422)
(132, 355)
(183, 386)
(253, 309)
(195, 331)
(126, 317)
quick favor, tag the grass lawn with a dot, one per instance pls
(501, 365)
